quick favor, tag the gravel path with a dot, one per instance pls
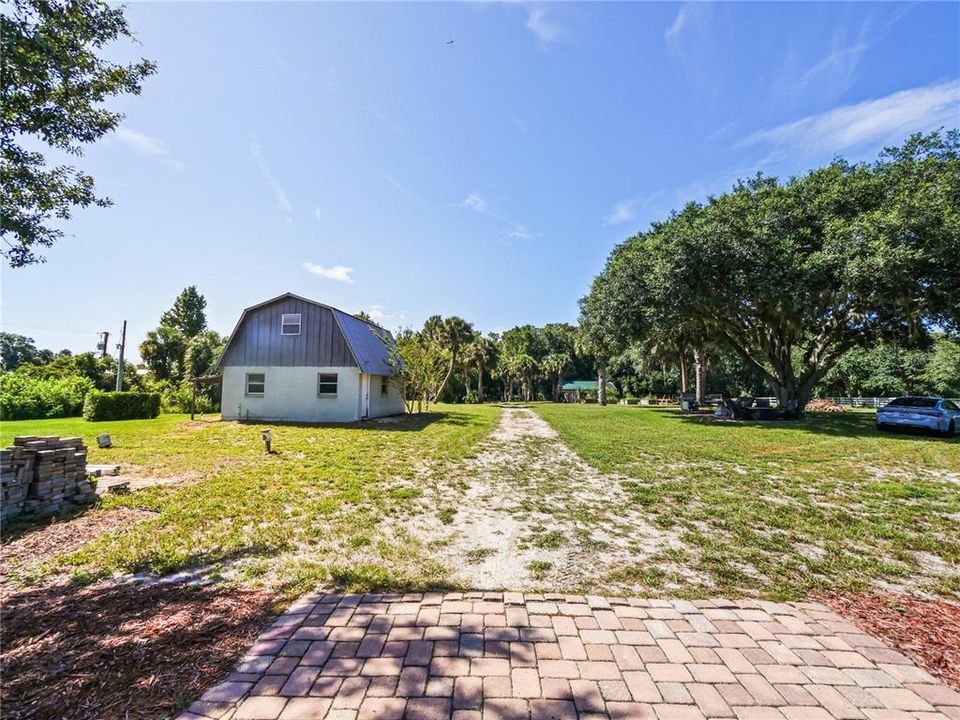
(527, 513)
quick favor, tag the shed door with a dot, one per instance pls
(364, 395)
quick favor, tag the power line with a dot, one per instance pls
(42, 327)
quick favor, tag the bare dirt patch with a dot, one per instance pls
(141, 482)
(925, 630)
(28, 546)
(527, 513)
(117, 651)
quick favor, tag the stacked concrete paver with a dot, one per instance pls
(492, 656)
(41, 474)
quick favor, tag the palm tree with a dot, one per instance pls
(508, 372)
(481, 353)
(163, 352)
(525, 366)
(555, 365)
(468, 360)
(452, 334)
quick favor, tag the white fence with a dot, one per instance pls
(866, 402)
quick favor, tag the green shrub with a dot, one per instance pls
(23, 397)
(120, 405)
(175, 398)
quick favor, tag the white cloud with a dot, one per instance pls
(629, 209)
(835, 73)
(520, 232)
(382, 316)
(318, 214)
(621, 212)
(141, 143)
(886, 119)
(688, 17)
(678, 24)
(147, 145)
(339, 273)
(521, 125)
(542, 27)
(416, 199)
(281, 197)
(475, 202)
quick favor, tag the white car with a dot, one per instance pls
(935, 414)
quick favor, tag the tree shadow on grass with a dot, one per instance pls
(114, 650)
(392, 423)
(835, 424)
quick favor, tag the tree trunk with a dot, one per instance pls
(480, 383)
(699, 365)
(602, 385)
(792, 399)
(556, 386)
(436, 396)
(684, 386)
(466, 380)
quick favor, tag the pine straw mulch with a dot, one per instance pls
(112, 651)
(28, 544)
(926, 631)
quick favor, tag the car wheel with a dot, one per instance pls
(951, 429)
(882, 428)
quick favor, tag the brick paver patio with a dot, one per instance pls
(487, 656)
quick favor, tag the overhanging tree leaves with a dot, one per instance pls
(791, 276)
(52, 86)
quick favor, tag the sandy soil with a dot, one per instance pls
(528, 513)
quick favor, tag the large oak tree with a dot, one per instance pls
(791, 275)
(53, 85)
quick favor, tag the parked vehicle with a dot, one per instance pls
(935, 414)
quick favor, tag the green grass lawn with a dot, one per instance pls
(781, 509)
(317, 509)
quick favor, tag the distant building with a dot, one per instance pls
(294, 359)
(578, 391)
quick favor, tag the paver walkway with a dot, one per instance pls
(487, 656)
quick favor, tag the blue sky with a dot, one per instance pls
(351, 154)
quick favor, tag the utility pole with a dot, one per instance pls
(102, 345)
(122, 346)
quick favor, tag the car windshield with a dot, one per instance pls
(920, 402)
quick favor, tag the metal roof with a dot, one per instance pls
(370, 343)
(579, 385)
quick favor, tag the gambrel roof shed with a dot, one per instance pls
(254, 340)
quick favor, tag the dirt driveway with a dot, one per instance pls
(527, 513)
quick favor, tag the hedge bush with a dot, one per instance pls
(120, 405)
(23, 397)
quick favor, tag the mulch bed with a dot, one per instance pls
(927, 631)
(112, 651)
(44, 539)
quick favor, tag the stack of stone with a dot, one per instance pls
(46, 473)
(15, 474)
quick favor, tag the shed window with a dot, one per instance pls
(256, 383)
(290, 324)
(384, 385)
(326, 385)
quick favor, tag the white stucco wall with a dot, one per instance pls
(291, 394)
(389, 404)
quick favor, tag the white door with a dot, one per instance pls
(364, 395)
